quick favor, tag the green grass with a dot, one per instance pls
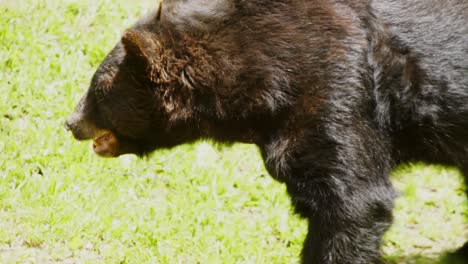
(198, 203)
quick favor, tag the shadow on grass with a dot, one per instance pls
(447, 258)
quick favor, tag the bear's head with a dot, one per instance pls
(118, 109)
(192, 69)
(139, 98)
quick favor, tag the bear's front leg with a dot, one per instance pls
(341, 186)
(340, 239)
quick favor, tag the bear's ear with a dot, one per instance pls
(135, 44)
(159, 12)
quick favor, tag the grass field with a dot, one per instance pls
(200, 203)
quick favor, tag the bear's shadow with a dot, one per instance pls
(442, 258)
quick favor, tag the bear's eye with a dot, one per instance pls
(102, 83)
(101, 92)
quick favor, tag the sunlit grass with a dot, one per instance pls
(199, 203)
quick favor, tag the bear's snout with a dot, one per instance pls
(105, 143)
(80, 127)
(69, 124)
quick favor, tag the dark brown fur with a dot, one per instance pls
(334, 93)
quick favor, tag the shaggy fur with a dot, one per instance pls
(334, 93)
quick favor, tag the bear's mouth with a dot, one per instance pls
(106, 144)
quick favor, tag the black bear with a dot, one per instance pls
(334, 93)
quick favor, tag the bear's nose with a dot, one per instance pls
(73, 121)
(81, 128)
(67, 125)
